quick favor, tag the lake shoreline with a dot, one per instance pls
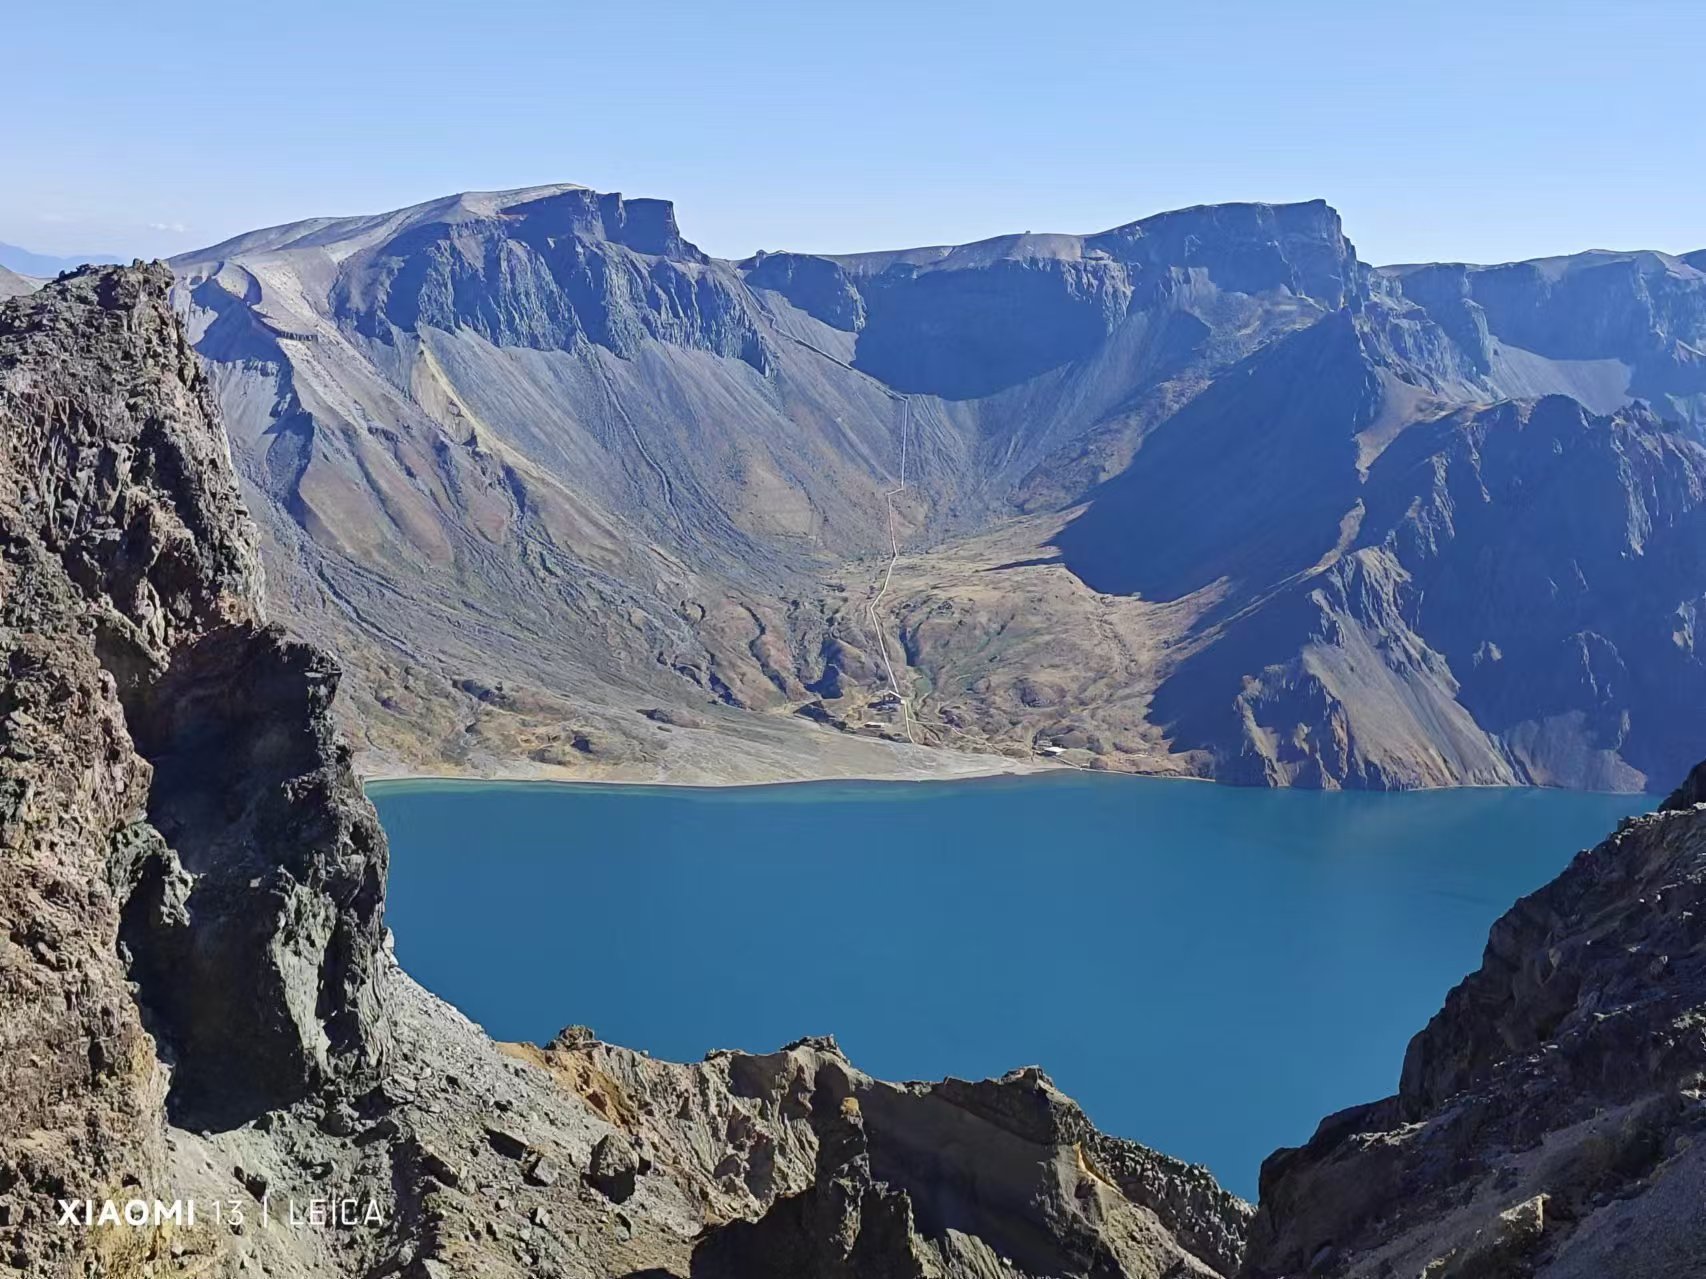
(1019, 769)
(430, 782)
(398, 781)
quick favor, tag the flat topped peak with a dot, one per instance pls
(339, 237)
(1233, 209)
(1037, 245)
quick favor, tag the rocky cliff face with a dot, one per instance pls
(178, 812)
(199, 1005)
(569, 265)
(967, 322)
(534, 466)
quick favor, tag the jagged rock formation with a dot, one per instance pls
(198, 1004)
(804, 1166)
(1201, 494)
(1548, 1120)
(241, 882)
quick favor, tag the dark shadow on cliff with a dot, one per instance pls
(1247, 482)
(963, 335)
(252, 927)
(847, 1225)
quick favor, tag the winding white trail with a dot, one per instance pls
(871, 618)
(888, 575)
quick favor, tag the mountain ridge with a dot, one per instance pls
(550, 402)
(46, 265)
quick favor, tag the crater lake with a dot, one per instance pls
(1208, 970)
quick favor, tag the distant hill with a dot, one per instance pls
(1204, 493)
(12, 284)
(44, 265)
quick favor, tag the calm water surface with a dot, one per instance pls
(1209, 970)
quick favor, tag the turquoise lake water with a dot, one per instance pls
(1209, 970)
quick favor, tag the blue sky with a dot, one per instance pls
(1482, 131)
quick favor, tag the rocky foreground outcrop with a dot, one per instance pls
(192, 879)
(198, 1006)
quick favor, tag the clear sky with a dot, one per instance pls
(1485, 130)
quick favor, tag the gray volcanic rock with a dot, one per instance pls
(1548, 1120)
(544, 272)
(284, 884)
(127, 558)
(819, 1170)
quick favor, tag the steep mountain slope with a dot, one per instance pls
(490, 437)
(199, 1006)
(1501, 595)
(537, 439)
(537, 467)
